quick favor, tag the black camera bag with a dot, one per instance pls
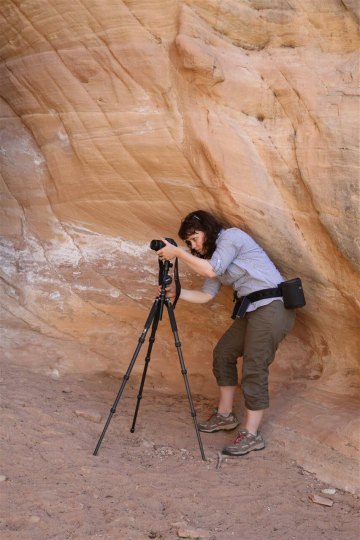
(292, 293)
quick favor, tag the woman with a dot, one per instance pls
(229, 256)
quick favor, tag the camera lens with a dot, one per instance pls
(155, 245)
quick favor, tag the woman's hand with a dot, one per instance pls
(170, 291)
(168, 252)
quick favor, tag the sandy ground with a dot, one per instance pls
(150, 484)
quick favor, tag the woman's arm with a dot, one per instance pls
(195, 297)
(200, 266)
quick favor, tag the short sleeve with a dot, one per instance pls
(226, 251)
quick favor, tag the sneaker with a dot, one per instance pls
(244, 443)
(216, 422)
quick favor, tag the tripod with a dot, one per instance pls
(153, 319)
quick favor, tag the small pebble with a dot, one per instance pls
(55, 374)
(3, 478)
(321, 500)
(90, 415)
(67, 390)
(329, 491)
(189, 532)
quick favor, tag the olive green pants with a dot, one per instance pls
(256, 338)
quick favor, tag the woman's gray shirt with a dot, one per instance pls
(239, 261)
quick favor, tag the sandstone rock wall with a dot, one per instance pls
(119, 118)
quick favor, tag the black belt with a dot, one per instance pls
(243, 302)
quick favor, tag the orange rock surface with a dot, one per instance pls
(119, 118)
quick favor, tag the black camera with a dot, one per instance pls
(155, 245)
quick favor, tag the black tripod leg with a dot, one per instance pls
(128, 371)
(147, 360)
(184, 373)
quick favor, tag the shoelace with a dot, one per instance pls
(241, 436)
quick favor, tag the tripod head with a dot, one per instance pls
(164, 278)
(164, 266)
